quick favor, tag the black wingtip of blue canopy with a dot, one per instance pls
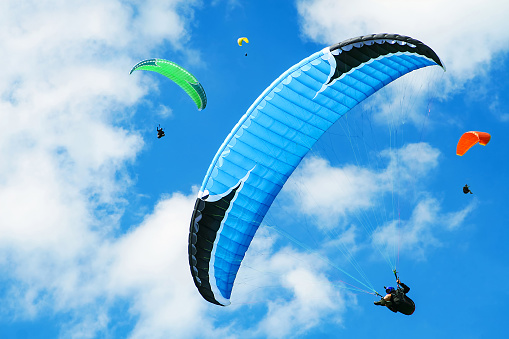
(420, 47)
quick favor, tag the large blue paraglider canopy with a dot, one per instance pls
(270, 140)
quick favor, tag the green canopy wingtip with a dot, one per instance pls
(151, 62)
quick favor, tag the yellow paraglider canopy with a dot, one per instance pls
(239, 40)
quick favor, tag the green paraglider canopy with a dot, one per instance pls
(179, 75)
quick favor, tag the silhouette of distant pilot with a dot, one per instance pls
(160, 133)
(467, 190)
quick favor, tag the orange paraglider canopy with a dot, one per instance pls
(471, 138)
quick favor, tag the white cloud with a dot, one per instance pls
(453, 220)
(314, 298)
(497, 109)
(465, 34)
(64, 89)
(318, 187)
(78, 273)
(340, 199)
(298, 294)
(330, 193)
(164, 111)
(146, 266)
(415, 235)
(409, 164)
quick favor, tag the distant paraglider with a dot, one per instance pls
(243, 39)
(467, 190)
(160, 132)
(471, 138)
(179, 75)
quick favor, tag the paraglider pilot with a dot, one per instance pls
(160, 132)
(467, 190)
(396, 299)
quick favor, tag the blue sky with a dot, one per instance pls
(95, 210)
